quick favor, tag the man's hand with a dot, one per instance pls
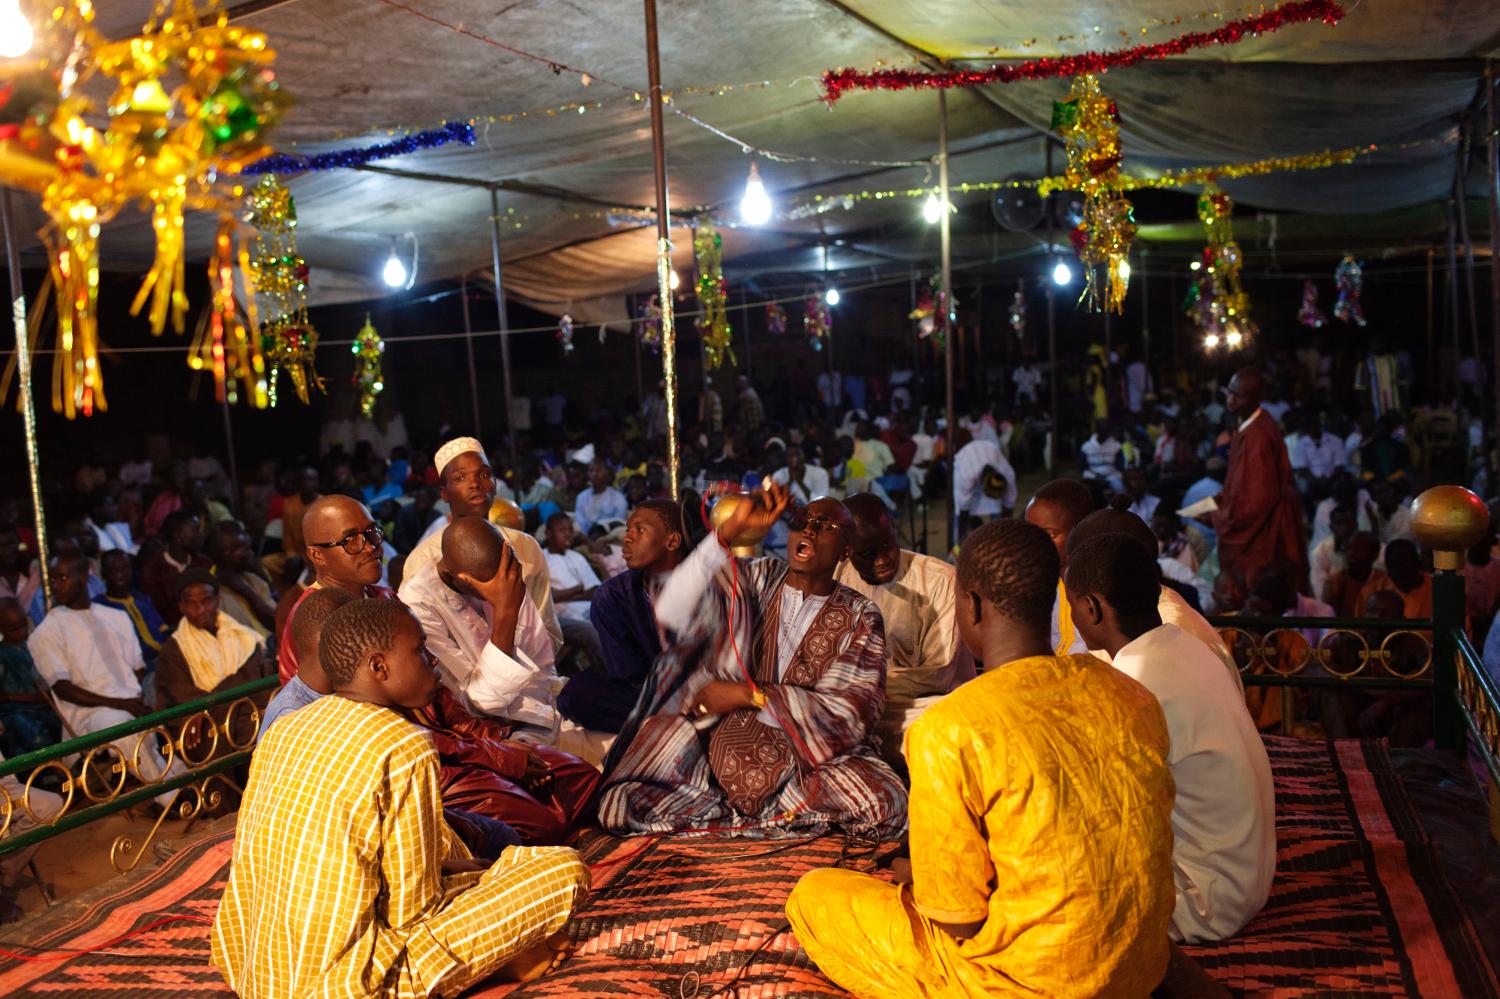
(538, 775)
(505, 590)
(756, 511)
(721, 697)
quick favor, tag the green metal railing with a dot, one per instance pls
(200, 734)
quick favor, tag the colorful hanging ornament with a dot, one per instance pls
(224, 343)
(648, 323)
(713, 294)
(1349, 276)
(369, 364)
(564, 334)
(928, 311)
(278, 274)
(1018, 311)
(1310, 315)
(817, 321)
(775, 318)
(1089, 123)
(1218, 300)
(189, 104)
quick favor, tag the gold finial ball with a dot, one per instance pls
(1449, 519)
(506, 514)
(720, 513)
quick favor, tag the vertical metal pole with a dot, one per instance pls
(1108, 367)
(23, 375)
(1146, 313)
(835, 384)
(1452, 288)
(1492, 154)
(1431, 330)
(1051, 320)
(640, 378)
(947, 310)
(510, 430)
(1447, 619)
(663, 246)
(234, 466)
(469, 349)
(745, 324)
(1461, 196)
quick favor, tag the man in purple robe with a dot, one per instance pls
(623, 616)
(760, 720)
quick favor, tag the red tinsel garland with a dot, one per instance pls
(838, 81)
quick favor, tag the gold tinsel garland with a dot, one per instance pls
(278, 274)
(162, 149)
(369, 364)
(713, 293)
(1089, 123)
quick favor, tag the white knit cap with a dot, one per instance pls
(456, 447)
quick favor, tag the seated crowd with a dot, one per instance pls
(475, 664)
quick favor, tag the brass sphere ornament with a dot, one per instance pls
(506, 514)
(1449, 520)
(744, 544)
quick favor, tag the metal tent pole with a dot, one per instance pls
(510, 430)
(1492, 155)
(663, 247)
(469, 350)
(947, 311)
(23, 375)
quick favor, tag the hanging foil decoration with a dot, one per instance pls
(713, 294)
(1018, 311)
(369, 367)
(817, 321)
(648, 323)
(224, 343)
(279, 276)
(565, 334)
(1089, 123)
(775, 318)
(1310, 315)
(1349, 276)
(1217, 299)
(928, 312)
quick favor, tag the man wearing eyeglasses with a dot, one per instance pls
(760, 719)
(468, 487)
(344, 547)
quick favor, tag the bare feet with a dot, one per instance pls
(538, 959)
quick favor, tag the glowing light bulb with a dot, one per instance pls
(1211, 340)
(1195, 265)
(1062, 274)
(395, 271)
(1125, 271)
(833, 296)
(755, 206)
(15, 31)
(673, 280)
(932, 210)
(1233, 338)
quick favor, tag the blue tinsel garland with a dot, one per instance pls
(452, 131)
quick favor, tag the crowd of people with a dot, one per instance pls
(477, 657)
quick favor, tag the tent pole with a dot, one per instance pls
(1146, 309)
(510, 430)
(745, 322)
(640, 378)
(1050, 285)
(1451, 287)
(1492, 154)
(946, 309)
(469, 350)
(1431, 332)
(1460, 179)
(23, 375)
(663, 246)
(234, 467)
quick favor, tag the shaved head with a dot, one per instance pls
(471, 545)
(1247, 389)
(875, 550)
(870, 513)
(331, 517)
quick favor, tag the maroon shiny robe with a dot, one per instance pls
(1259, 520)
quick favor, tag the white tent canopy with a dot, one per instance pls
(1398, 73)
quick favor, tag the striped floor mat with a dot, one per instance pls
(1360, 907)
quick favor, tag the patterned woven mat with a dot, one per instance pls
(1360, 906)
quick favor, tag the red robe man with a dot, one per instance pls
(1259, 520)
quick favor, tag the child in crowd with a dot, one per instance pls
(345, 879)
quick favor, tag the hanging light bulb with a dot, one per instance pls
(1125, 271)
(1062, 274)
(15, 31)
(833, 296)
(932, 210)
(1233, 339)
(755, 206)
(395, 271)
(1195, 265)
(1211, 340)
(673, 280)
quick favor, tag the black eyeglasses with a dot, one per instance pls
(356, 543)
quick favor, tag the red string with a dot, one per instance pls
(62, 955)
